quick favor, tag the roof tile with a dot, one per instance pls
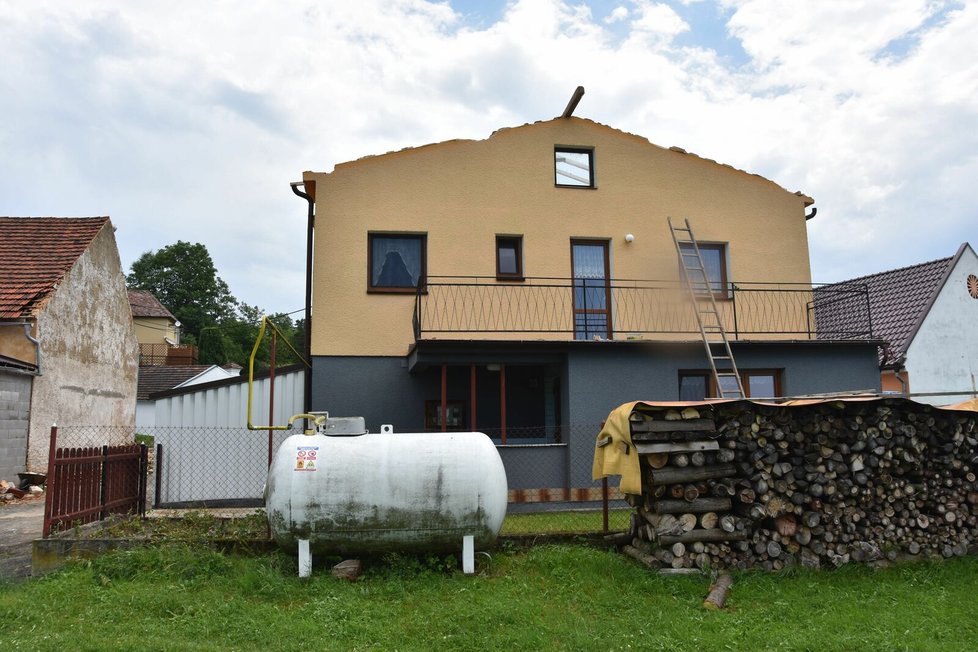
(35, 254)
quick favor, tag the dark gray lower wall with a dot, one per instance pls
(597, 379)
(15, 403)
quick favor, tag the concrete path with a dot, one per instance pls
(20, 523)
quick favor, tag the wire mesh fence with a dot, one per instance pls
(548, 470)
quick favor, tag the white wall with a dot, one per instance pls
(145, 414)
(208, 453)
(944, 354)
(226, 406)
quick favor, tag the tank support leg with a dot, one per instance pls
(305, 558)
(468, 554)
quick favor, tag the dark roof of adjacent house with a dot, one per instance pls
(145, 304)
(35, 254)
(899, 299)
(159, 378)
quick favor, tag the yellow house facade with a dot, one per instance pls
(526, 284)
(461, 198)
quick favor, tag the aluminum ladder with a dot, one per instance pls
(701, 293)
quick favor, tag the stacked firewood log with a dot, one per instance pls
(741, 485)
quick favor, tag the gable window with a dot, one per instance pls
(715, 262)
(758, 383)
(574, 167)
(396, 262)
(509, 257)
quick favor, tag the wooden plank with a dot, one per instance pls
(671, 475)
(684, 425)
(646, 448)
(703, 504)
(701, 535)
(673, 436)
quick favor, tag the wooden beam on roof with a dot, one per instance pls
(575, 98)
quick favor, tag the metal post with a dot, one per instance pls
(102, 489)
(49, 493)
(604, 503)
(143, 469)
(472, 398)
(444, 398)
(502, 403)
(733, 300)
(271, 397)
(158, 463)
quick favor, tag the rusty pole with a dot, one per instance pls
(444, 398)
(502, 403)
(48, 490)
(472, 397)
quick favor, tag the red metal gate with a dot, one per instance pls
(87, 484)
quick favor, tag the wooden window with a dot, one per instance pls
(758, 383)
(509, 257)
(715, 262)
(591, 278)
(432, 415)
(573, 167)
(396, 262)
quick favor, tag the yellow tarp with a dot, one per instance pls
(618, 456)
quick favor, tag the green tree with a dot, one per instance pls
(184, 279)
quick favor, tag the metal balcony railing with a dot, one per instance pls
(588, 309)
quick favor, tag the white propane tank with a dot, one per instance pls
(354, 492)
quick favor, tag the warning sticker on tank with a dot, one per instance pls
(306, 458)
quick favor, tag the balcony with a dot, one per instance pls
(157, 355)
(596, 309)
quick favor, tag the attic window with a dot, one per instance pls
(574, 167)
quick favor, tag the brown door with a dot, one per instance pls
(591, 279)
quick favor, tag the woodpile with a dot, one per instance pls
(741, 485)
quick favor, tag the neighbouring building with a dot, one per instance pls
(68, 352)
(158, 332)
(526, 284)
(161, 377)
(926, 315)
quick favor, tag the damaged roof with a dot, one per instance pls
(35, 254)
(806, 200)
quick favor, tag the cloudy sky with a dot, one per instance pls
(188, 120)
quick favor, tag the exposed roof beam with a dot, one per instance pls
(575, 98)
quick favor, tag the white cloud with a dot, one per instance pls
(187, 120)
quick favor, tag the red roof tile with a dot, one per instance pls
(145, 304)
(35, 254)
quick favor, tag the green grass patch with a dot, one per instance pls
(572, 522)
(544, 598)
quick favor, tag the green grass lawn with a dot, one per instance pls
(543, 598)
(576, 522)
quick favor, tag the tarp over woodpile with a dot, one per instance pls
(614, 453)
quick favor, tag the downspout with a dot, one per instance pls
(37, 348)
(310, 198)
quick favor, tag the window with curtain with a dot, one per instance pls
(715, 263)
(591, 314)
(396, 262)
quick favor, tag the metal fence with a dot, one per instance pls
(548, 473)
(620, 308)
